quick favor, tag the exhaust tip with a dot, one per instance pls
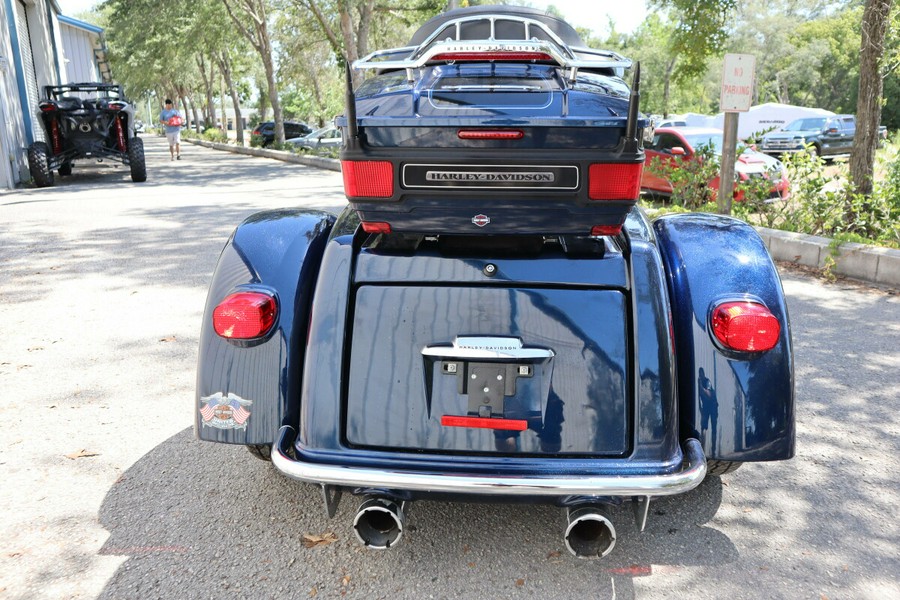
(590, 533)
(379, 523)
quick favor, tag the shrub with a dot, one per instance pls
(214, 134)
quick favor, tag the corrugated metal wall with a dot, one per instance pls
(78, 48)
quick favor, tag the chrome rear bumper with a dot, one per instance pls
(691, 474)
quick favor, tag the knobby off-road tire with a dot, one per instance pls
(260, 451)
(65, 170)
(136, 159)
(39, 164)
(721, 467)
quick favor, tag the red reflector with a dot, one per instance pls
(470, 56)
(614, 181)
(482, 423)
(598, 230)
(116, 105)
(745, 326)
(47, 107)
(376, 227)
(368, 178)
(491, 134)
(245, 315)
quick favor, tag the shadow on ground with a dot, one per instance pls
(198, 519)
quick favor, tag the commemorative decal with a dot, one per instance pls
(225, 412)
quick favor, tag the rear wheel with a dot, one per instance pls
(815, 151)
(65, 170)
(136, 159)
(721, 467)
(39, 164)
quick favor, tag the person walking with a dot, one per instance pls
(172, 121)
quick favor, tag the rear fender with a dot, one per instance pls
(247, 390)
(740, 406)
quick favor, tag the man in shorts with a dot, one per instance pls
(172, 121)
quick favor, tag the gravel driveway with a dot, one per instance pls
(108, 495)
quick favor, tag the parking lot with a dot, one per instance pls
(109, 495)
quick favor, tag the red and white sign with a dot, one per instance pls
(738, 77)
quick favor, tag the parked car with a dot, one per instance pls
(491, 316)
(820, 136)
(264, 133)
(327, 137)
(85, 121)
(672, 123)
(670, 145)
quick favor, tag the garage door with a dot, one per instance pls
(31, 86)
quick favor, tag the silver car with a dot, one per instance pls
(327, 137)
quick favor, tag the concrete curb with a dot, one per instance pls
(867, 263)
(331, 164)
(858, 261)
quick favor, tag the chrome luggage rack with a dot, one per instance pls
(449, 49)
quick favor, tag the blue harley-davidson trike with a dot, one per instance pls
(492, 317)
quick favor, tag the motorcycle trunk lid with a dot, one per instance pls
(530, 361)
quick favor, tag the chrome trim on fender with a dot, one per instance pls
(692, 473)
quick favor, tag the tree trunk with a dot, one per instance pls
(225, 66)
(868, 107)
(666, 83)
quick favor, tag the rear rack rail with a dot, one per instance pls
(452, 46)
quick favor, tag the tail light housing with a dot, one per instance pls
(245, 315)
(376, 227)
(614, 181)
(491, 55)
(745, 326)
(601, 230)
(368, 178)
(48, 106)
(117, 105)
(490, 134)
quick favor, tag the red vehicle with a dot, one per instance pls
(673, 144)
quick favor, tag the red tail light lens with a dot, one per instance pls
(614, 181)
(482, 423)
(490, 134)
(116, 105)
(368, 178)
(745, 326)
(48, 106)
(245, 315)
(376, 227)
(599, 230)
(479, 56)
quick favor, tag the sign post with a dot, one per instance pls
(738, 76)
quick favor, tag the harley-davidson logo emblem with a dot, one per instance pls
(489, 177)
(481, 220)
(225, 412)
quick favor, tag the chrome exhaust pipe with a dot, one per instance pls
(590, 533)
(379, 523)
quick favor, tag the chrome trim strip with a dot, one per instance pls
(479, 347)
(692, 473)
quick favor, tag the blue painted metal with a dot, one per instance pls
(740, 406)
(276, 252)
(80, 24)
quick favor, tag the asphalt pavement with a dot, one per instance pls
(108, 494)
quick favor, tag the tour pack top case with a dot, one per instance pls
(493, 121)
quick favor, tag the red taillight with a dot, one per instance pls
(478, 56)
(598, 230)
(614, 181)
(116, 105)
(490, 134)
(376, 227)
(368, 178)
(482, 423)
(245, 315)
(48, 106)
(745, 326)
